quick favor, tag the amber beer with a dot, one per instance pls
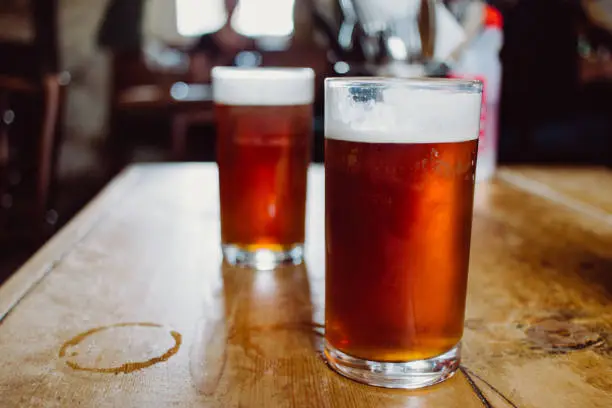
(264, 131)
(398, 224)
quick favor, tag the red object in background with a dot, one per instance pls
(493, 17)
(480, 60)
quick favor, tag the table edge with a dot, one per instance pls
(39, 265)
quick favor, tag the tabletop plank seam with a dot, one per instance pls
(469, 373)
(479, 393)
(130, 179)
(540, 189)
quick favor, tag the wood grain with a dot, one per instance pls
(147, 250)
(585, 189)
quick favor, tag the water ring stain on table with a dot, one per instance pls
(127, 367)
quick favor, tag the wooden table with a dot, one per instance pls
(177, 328)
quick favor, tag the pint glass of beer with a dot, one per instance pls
(264, 132)
(400, 157)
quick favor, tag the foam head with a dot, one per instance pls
(263, 86)
(385, 110)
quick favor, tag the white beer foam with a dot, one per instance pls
(408, 114)
(263, 86)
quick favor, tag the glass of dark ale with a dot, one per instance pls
(400, 157)
(264, 137)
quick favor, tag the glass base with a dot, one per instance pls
(263, 259)
(408, 375)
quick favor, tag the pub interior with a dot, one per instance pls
(88, 88)
(131, 83)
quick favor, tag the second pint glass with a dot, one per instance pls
(264, 131)
(400, 157)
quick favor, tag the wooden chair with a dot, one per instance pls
(136, 89)
(31, 105)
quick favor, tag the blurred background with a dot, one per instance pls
(87, 87)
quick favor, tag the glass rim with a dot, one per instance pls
(434, 84)
(265, 73)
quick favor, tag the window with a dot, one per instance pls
(253, 18)
(196, 17)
